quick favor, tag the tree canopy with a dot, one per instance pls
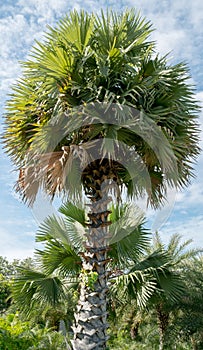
(101, 59)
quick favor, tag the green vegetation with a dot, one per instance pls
(18, 335)
(45, 323)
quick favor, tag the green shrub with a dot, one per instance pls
(12, 333)
(18, 335)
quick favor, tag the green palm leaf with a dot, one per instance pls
(106, 59)
(73, 212)
(53, 227)
(128, 238)
(147, 280)
(60, 258)
(138, 286)
(33, 288)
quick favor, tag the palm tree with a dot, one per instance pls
(190, 319)
(96, 83)
(169, 292)
(181, 257)
(168, 284)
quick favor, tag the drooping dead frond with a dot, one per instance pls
(52, 171)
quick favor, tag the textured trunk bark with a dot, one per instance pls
(194, 344)
(161, 340)
(134, 330)
(91, 316)
(163, 321)
(90, 329)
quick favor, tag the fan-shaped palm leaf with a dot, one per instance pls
(151, 277)
(33, 288)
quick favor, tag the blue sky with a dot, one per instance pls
(179, 30)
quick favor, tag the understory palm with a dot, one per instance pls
(191, 306)
(98, 113)
(181, 255)
(163, 312)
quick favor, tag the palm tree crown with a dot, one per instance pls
(104, 59)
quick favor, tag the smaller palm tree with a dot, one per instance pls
(189, 320)
(181, 255)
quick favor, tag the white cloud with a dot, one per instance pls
(196, 13)
(189, 228)
(15, 247)
(16, 34)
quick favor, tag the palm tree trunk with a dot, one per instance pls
(194, 344)
(90, 329)
(134, 329)
(91, 316)
(161, 339)
(163, 321)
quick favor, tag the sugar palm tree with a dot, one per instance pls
(96, 83)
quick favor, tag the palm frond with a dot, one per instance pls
(59, 258)
(133, 286)
(171, 285)
(63, 241)
(128, 239)
(76, 30)
(158, 259)
(73, 212)
(178, 250)
(32, 288)
(124, 217)
(53, 228)
(150, 279)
